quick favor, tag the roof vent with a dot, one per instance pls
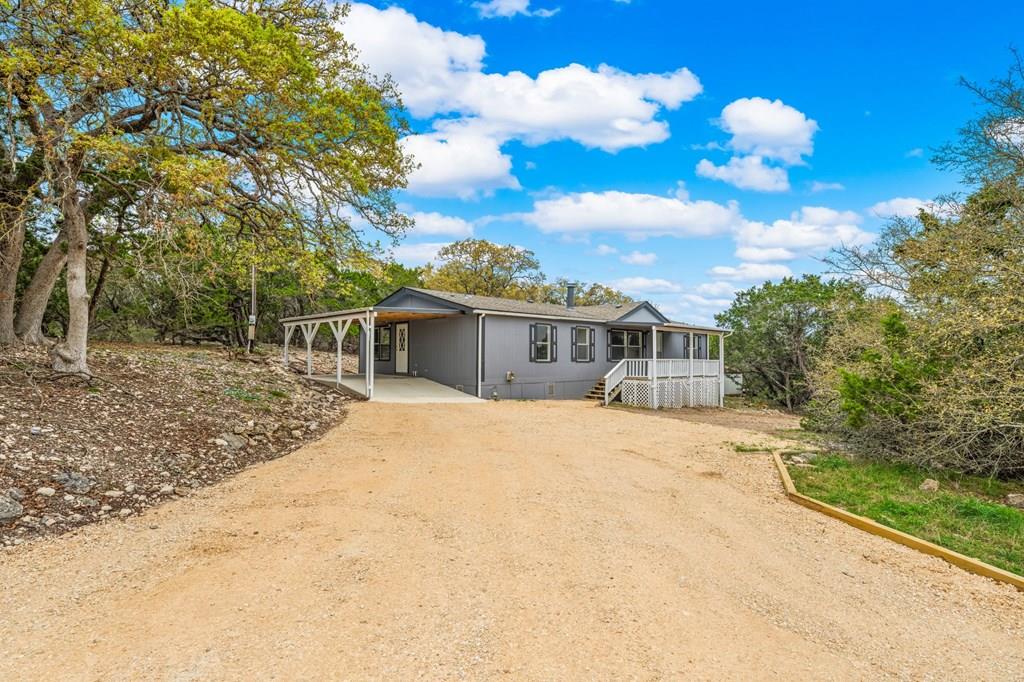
(618, 305)
(570, 295)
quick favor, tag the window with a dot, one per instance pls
(625, 344)
(382, 343)
(543, 343)
(659, 343)
(582, 344)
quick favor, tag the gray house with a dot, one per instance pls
(502, 348)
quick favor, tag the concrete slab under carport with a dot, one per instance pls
(400, 389)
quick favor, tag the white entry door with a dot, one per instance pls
(402, 348)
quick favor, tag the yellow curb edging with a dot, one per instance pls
(875, 528)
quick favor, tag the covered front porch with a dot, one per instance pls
(676, 370)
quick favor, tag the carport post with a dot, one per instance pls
(371, 317)
(288, 329)
(480, 354)
(339, 329)
(309, 330)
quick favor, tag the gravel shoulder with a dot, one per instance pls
(546, 540)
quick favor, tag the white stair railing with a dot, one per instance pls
(613, 378)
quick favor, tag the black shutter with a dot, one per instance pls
(533, 342)
(554, 344)
(572, 351)
(591, 334)
(608, 344)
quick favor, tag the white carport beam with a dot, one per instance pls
(288, 330)
(339, 328)
(309, 330)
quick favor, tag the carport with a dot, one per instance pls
(406, 389)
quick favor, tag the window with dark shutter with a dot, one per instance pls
(582, 344)
(543, 343)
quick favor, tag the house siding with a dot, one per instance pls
(507, 348)
(443, 350)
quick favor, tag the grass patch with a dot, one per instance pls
(963, 515)
(241, 394)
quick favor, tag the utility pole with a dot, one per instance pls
(252, 311)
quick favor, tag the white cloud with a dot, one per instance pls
(646, 285)
(462, 166)
(680, 192)
(694, 308)
(605, 250)
(762, 130)
(746, 172)
(817, 186)
(605, 108)
(438, 224)
(417, 254)
(811, 229)
(428, 63)
(903, 207)
(717, 289)
(510, 8)
(441, 72)
(635, 214)
(770, 129)
(639, 258)
(914, 153)
(750, 272)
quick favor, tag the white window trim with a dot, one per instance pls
(547, 344)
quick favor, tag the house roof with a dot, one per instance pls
(605, 313)
(438, 301)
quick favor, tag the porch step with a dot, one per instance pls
(597, 392)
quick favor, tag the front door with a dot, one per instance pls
(402, 348)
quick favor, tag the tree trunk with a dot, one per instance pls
(11, 246)
(69, 356)
(29, 325)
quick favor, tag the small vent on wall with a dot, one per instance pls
(458, 387)
(551, 389)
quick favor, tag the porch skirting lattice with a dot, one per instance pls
(695, 392)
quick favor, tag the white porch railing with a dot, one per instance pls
(691, 377)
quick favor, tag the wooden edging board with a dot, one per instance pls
(875, 528)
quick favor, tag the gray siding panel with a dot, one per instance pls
(641, 315)
(443, 350)
(507, 348)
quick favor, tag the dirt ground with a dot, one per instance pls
(547, 540)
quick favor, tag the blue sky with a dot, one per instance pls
(679, 151)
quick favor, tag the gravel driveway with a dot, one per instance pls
(548, 540)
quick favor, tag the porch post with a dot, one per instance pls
(654, 368)
(689, 353)
(721, 370)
